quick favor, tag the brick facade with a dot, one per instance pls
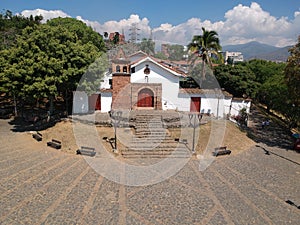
(121, 91)
(125, 94)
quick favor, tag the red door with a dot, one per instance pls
(145, 98)
(98, 103)
(95, 102)
(195, 104)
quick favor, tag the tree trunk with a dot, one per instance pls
(51, 109)
(67, 103)
(203, 73)
(15, 106)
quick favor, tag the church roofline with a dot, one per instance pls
(153, 60)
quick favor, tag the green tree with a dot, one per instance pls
(83, 32)
(92, 77)
(264, 69)
(116, 38)
(47, 61)
(273, 93)
(238, 80)
(160, 55)
(105, 34)
(147, 46)
(12, 25)
(292, 78)
(204, 45)
(176, 52)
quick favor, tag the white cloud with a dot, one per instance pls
(47, 14)
(241, 24)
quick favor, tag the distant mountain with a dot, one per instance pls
(258, 50)
(280, 55)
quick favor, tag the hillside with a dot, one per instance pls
(258, 50)
(280, 55)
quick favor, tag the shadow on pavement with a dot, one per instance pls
(268, 152)
(273, 135)
(23, 124)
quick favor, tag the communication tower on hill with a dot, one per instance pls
(134, 35)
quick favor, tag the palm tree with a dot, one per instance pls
(204, 45)
(105, 35)
(116, 38)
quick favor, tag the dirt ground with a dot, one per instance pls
(232, 137)
(63, 131)
(235, 139)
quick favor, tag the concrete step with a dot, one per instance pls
(153, 147)
(157, 154)
(150, 133)
(151, 140)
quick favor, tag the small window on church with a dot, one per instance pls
(132, 69)
(110, 83)
(118, 70)
(146, 79)
(124, 69)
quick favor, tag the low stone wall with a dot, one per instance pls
(170, 118)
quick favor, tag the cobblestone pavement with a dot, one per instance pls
(40, 185)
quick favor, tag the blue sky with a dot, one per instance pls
(157, 11)
(224, 16)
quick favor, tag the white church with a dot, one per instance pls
(140, 81)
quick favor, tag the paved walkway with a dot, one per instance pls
(39, 185)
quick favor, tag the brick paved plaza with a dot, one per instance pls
(40, 185)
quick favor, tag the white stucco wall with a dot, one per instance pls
(227, 103)
(237, 105)
(219, 107)
(105, 83)
(169, 81)
(80, 102)
(106, 101)
(209, 104)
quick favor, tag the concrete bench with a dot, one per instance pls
(86, 151)
(184, 141)
(221, 151)
(37, 136)
(54, 144)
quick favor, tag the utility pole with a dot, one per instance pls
(195, 120)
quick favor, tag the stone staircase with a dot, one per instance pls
(152, 140)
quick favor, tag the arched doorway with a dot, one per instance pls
(145, 98)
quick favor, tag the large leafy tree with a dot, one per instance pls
(12, 25)
(238, 80)
(47, 61)
(176, 52)
(116, 38)
(147, 46)
(274, 94)
(83, 32)
(292, 77)
(263, 69)
(205, 46)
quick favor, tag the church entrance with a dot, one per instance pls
(145, 98)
